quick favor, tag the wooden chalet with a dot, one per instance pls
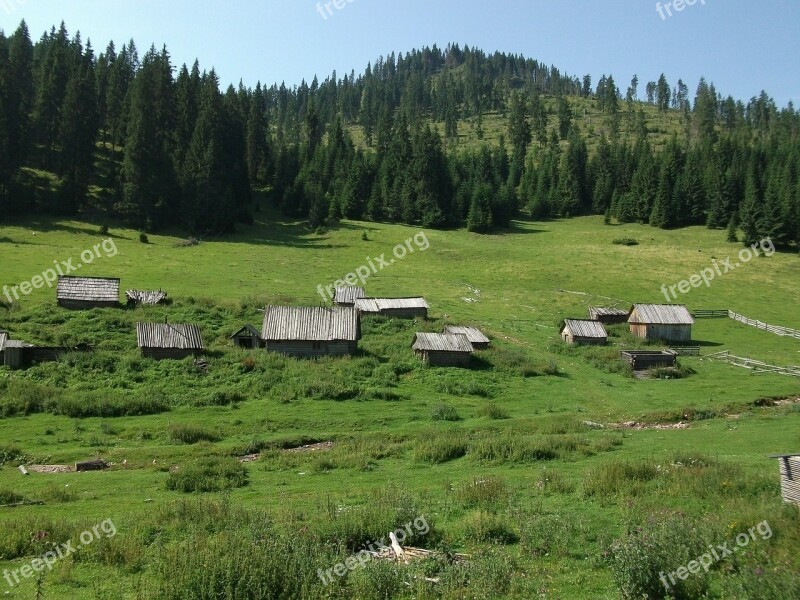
(608, 315)
(248, 337)
(475, 336)
(415, 307)
(168, 340)
(789, 465)
(311, 331)
(347, 295)
(145, 297)
(87, 292)
(583, 332)
(661, 322)
(443, 349)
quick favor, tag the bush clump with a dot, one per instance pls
(210, 474)
(191, 434)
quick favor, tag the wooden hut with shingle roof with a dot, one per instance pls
(583, 332)
(168, 340)
(347, 295)
(415, 307)
(475, 336)
(87, 292)
(443, 349)
(661, 322)
(311, 331)
(790, 477)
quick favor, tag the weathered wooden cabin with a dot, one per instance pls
(475, 336)
(248, 337)
(790, 476)
(608, 315)
(347, 295)
(311, 331)
(443, 349)
(641, 360)
(87, 292)
(584, 333)
(661, 322)
(145, 297)
(415, 307)
(168, 340)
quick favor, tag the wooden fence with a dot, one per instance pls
(686, 350)
(776, 329)
(756, 366)
(710, 314)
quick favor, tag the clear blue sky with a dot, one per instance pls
(742, 46)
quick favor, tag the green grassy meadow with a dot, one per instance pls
(499, 458)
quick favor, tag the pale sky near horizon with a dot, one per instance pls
(740, 46)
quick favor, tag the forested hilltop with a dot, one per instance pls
(437, 137)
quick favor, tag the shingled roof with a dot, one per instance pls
(88, 289)
(660, 314)
(169, 335)
(347, 294)
(474, 335)
(315, 324)
(146, 297)
(584, 329)
(379, 304)
(441, 342)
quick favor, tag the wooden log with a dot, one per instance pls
(23, 470)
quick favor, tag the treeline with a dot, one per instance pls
(134, 139)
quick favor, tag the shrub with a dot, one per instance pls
(512, 448)
(663, 542)
(10, 454)
(104, 229)
(625, 241)
(191, 434)
(441, 447)
(97, 404)
(445, 412)
(143, 238)
(482, 491)
(210, 474)
(482, 527)
(617, 477)
(493, 411)
(9, 497)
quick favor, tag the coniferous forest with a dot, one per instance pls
(135, 138)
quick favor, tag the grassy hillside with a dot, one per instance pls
(508, 460)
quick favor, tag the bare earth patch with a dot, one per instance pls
(640, 426)
(50, 469)
(320, 446)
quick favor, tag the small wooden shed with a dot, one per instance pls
(346, 295)
(789, 465)
(583, 332)
(415, 307)
(661, 322)
(608, 315)
(443, 349)
(168, 340)
(311, 331)
(145, 297)
(14, 354)
(247, 337)
(475, 336)
(87, 292)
